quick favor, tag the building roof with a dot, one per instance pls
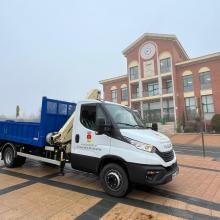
(156, 36)
(113, 79)
(199, 59)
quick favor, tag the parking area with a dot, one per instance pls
(37, 191)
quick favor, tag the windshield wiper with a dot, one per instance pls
(121, 123)
(140, 126)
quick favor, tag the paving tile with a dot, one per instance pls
(155, 199)
(137, 194)
(119, 212)
(76, 209)
(215, 213)
(198, 209)
(7, 181)
(79, 179)
(3, 208)
(12, 214)
(124, 212)
(175, 204)
(141, 214)
(63, 216)
(35, 168)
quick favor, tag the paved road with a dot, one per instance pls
(198, 151)
(37, 191)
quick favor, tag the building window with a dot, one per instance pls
(134, 73)
(114, 95)
(165, 65)
(135, 92)
(205, 80)
(149, 68)
(208, 106)
(190, 108)
(124, 94)
(152, 111)
(168, 109)
(169, 86)
(188, 83)
(153, 89)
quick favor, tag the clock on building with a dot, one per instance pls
(147, 51)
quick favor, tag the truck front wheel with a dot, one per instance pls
(114, 180)
(10, 160)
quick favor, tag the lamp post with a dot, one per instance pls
(17, 111)
(200, 114)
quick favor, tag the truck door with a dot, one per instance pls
(87, 146)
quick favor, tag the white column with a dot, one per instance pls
(142, 111)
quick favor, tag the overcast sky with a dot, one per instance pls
(61, 49)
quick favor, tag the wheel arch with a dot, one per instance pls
(112, 159)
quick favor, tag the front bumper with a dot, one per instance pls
(151, 174)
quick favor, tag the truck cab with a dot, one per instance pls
(111, 140)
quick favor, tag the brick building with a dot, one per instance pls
(162, 82)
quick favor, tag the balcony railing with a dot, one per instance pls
(167, 90)
(151, 93)
(135, 95)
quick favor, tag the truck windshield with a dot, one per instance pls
(124, 117)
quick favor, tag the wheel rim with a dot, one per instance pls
(8, 157)
(113, 180)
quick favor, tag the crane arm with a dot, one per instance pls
(64, 135)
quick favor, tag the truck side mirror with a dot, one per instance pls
(100, 126)
(154, 126)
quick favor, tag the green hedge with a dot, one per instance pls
(215, 123)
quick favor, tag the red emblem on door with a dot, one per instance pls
(89, 136)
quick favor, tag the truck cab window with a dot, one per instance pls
(101, 114)
(88, 116)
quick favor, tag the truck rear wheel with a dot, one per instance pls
(114, 180)
(10, 160)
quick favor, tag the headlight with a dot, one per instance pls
(142, 146)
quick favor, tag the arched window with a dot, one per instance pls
(187, 81)
(124, 92)
(133, 70)
(114, 95)
(165, 62)
(205, 78)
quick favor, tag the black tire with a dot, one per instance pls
(20, 161)
(114, 180)
(10, 160)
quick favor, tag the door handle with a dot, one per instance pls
(77, 138)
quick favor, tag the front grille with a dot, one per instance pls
(166, 156)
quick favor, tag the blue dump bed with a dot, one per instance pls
(54, 114)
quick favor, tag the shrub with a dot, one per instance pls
(215, 123)
(190, 127)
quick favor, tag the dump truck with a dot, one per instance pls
(104, 138)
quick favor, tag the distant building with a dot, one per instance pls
(163, 82)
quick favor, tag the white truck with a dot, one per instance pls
(109, 140)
